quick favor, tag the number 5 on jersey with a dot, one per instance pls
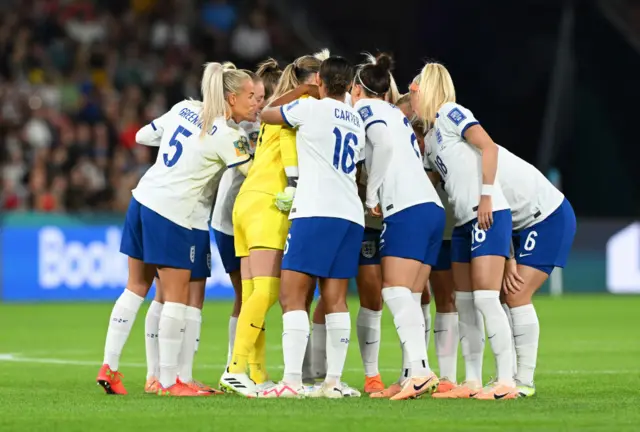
(171, 161)
(344, 150)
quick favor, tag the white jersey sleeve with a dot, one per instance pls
(380, 138)
(297, 112)
(151, 134)
(457, 119)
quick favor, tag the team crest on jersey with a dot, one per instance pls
(368, 249)
(241, 146)
(253, 139)
(365, 112)
(456, 116)
(192, 254)
(209, 261)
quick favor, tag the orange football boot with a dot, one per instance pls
(373, 384)
(413, 388)
(111, 381)
(201, 388)
(179, 389)
(152, 385)
(466, 390)
(445, 385)
(387, 393)
(498, 391)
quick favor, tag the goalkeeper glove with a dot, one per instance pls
(284, 200)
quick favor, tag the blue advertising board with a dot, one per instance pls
(75, 262)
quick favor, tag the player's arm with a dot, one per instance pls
(296, 93)
(234, 151)
(433, 175)
(379, 136)
(289, 156)
(293, 115)
(151, 134)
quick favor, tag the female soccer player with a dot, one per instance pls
(265, 80)
(467, 160)
(195, 144)
(202, 264)
(544, 226)
(413, 217)
(326, 229)
(369, 283)
(441, 278)
(260, 227)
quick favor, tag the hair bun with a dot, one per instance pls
(384, 62)
(270, 65)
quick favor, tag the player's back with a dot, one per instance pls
(530, 194)
(405, 183)
(458, 162)
(186, 162)
(330, 141)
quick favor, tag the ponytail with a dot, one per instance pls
(213, 103)
(218, 81)
(288, 81)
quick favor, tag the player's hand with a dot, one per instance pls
(284, 200)
(485, 212)
(312, 90)
(376, 211)
(512, 282)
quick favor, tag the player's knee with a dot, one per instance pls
(517, 299)
(291, 301)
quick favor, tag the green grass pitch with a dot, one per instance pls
(588, 378)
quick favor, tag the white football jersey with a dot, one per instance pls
(330, 142)
(405, 183)
(459, 163)
(232, 179)
(186, 163)
(450, 220)
(530, 194)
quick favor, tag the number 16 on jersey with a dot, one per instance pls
(344, 152)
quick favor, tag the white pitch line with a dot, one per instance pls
(17, 358)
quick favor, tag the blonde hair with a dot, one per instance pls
(435, 88)
(270, 73)
(298, 71)
(218, 81)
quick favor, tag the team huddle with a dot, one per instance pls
(321, 173)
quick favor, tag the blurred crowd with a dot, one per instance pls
(78, 78)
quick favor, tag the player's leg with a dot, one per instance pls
(151, 324)
(488, 253)
(127, 305)
(231, 264)
(368, 322)
(538, 250)
(445, 330)
(260, 232)
(470, 322)
(316, 353)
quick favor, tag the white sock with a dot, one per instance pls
(151, 323)
(120, 322)
(307, 367)
(170, 335)
(445, 333)
(407, 316)
(507, 311)
(417, 297)
(526, 333)
(338, 334)
(295, 335)
(498, 332)
(193, 322)
(405, 372)
(426, 313)
(368, 326)
(471, 328)
(319, 350)
(233, 323)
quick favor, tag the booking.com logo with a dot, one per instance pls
(96, 262)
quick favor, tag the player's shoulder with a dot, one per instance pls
(454, 112)
(371, 109)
